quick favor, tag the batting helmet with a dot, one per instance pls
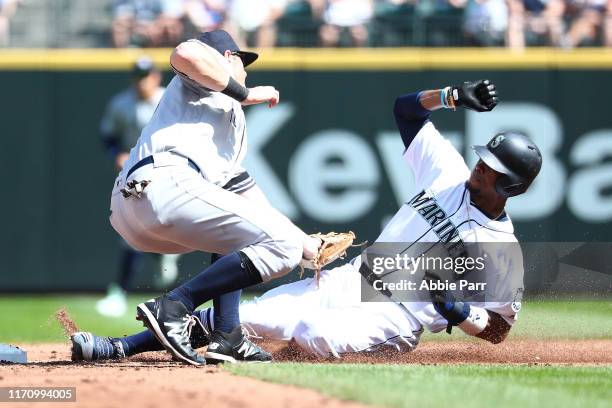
(516, 157)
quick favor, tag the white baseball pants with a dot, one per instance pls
(330, 319)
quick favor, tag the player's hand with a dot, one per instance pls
(261, 94)
(480, 96)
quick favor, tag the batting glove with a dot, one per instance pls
(480, 96)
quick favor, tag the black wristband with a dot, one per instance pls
(235, 90)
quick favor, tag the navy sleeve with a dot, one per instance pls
(410, 116)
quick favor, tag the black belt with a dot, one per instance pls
(149, 160)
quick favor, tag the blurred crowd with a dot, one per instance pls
(7, 9)
(269, 23)
(329, 23)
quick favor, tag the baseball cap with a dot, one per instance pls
(143, 67)
(221, 41)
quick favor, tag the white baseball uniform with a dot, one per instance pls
(182, 210)
(332, 318)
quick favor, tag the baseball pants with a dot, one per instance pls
(179, 212)
(330, 319)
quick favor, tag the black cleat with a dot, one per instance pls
(234, 347)
(171, 323)
(200, 335)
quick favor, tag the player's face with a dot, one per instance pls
(482, 180)
(147, 85)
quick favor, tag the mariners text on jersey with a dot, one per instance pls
(448, 233)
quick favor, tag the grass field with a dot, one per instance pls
(30, 319)
(447, 385)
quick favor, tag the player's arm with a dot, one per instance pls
(474, 321)
(412, 111)
(203, 64)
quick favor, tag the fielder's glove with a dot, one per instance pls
(333, 246)
(480, 96)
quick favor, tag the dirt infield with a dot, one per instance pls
(574, 352)
(153, 380)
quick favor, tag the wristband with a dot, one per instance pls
(453, 97)
(443, 98)
(235, 90)
(476, 322)
(454, 312)
(449, 100)
(446, 98)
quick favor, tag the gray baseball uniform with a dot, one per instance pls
(183, 209)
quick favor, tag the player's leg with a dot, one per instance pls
(277, 312)
(274, 315)
(87, 346)
(226, 305)
(368, 327)
(182, 208)
(310, 244)
(330, 319)
(225, 319)
(226, 312)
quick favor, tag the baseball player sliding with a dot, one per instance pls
(177, 193)
(450, 204)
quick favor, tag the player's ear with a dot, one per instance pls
(227, 54)
(479, 166)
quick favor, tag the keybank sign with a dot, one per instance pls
(341, 159)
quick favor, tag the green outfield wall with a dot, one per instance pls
(328, 156)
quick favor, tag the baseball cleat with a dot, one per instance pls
(87, 346)
(200, 335)
(234, 347)
(172, 324)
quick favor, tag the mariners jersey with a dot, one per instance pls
(207, 127)
(441, 211)
(126, 116)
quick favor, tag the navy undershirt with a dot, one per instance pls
(410, 116)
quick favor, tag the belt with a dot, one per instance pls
(149, 160)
